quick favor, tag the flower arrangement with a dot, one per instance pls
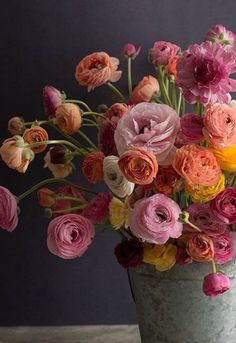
(169, 172)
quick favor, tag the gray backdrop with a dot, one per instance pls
(41, 43)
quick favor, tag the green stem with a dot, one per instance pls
(162, 86)
(39, 122)
(80, 103)
(116, 91)
(70, 209)
(130, 88)
(213, 266)
(173, 94)
(85, 137)
(51, 180)
(179, 101)
(70, 198)
(94, 125)
(61, 141)
(193, 226)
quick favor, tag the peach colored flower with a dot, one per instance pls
(15, 125)
(138, 166)
(68, 118)
(220, 125)
(200, 247)
(96, 69)
(145, 89)
(197, 165)
(36, 134)
(92, 167)
(116, 110)
(46, 197)
(58, 170)
(166, 181)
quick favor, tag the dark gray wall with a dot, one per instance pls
(41, 42)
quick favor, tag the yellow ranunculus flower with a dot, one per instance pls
(226, 157)
(161, 256)
(118, 213)
(200, 193)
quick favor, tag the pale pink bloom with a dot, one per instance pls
(162, 52)
(69, 235)
(219, 34)
(98, 207)
(191, 127)
(149, 126)
(203, 73)
(8, 210)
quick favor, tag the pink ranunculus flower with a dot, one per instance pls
(200, 214)
(69, 235)
(98, 208)
(149, 126)
(129, 50)
(223, 206)
(219, 34)
(203, 73)
(215, 284)
(52, 98)
(106, 134)
(223, 247)
(191, 127)
(8, 210)
(155, 219)
(162, 52)
(182, 257)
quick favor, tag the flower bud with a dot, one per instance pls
(130, 51)
(15, 125)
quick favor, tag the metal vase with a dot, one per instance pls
(172, 308)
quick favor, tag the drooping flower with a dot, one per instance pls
(182, 257)
(226, 157)
(224, 206)
(129, 50)
(36, 134)
(138, 166)
(98, 207)
(203, 73)
(46, 197)
(106, 134)
(155, 219)
(129, 253)
(166, 181)
(118, 213)
(150, 126)
(69, 235)
(92, 166)
(15, 125)
(145, 90)
(114, 178)
(162, 52)
(58, 170)
(52, 98)
(8, 210)
(224, 246)
(200, 247)
(116, 110)
(215, 284)
(68, 118)
(197, 165)
(161, 256)
(191, 127)
(96, 69)
(59, 154)
(219, 34)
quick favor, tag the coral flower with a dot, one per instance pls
(116, 110)
(166, 181)
(92, 166)
(145, 90)
(171, 68)
(96, 69)
(36, 134)
(200, 247)
(46, 197)
(68, 118)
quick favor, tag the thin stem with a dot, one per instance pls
(70, 209)
(85, 137)
(94, 125)
(51, 180)
(162, 86)
(193, 226)
(173, 94)
(68, 137)
(213, 266)
(180, 101)
(89, 121)
(80, 103)
(116, 91)
(130, 88)
(70, 198)
(39, 122)
(61, 141)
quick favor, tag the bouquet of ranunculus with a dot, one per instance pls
(169, 173)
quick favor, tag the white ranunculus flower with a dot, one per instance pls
(114, 178)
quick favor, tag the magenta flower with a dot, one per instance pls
(200, 214)
(106, 141)
(219, 34)
(69, 235)
(8, 210)
(191, 127)
(162, 52)
(182, 257)
(149, 126)
(97, 209)
(155, 219)
(129, 50)
(223, 206)
(129, 253)
(203, 73)
(52, 98)
(224, 247)
(215, 284)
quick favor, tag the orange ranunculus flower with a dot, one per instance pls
(184, 238)
(171, 68)
(46, 197)
(36, 134)
(92, 167)
(145, 89)
(219, 125)
(197, 165)
(138, 166)
(166, 181)
(116, 110)
(226, 158)
(68, 118)
(15, 125)
(200, 247)
(96, 69)
(16, 157)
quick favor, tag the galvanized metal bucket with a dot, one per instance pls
(172, 308)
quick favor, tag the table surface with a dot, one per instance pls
(71, 334)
